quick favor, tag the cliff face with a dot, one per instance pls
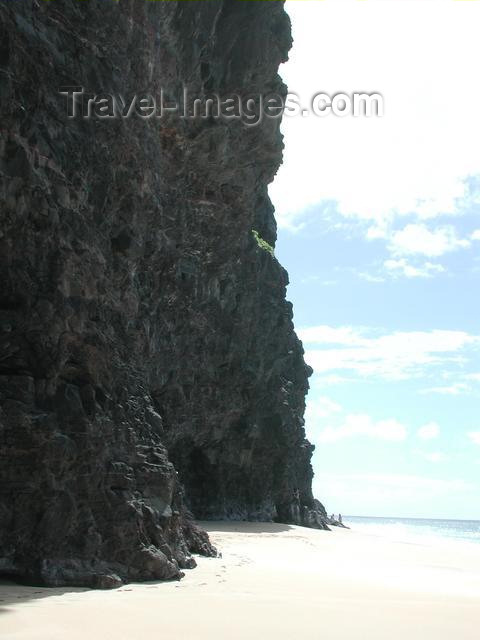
(148, 363)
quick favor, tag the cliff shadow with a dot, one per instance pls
(12, 593)
(237, 526)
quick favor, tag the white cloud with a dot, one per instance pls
(361, 492)
(378, 230)
(330, 335)
(363, 425)
(429, 431)
(435, 457)
(402, 267)
(465, 383)
(474, 436)
(393, 356)
(379, 169)
(418, 239)
(319, 382)
(453, 390)
(319, 408)
(476, 235)
(369, 277)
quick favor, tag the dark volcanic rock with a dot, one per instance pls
(148, 363)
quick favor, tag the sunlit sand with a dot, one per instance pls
(273, 581)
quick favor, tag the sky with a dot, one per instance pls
(379, 229)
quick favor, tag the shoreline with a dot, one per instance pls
(410, 535)
(273, 581)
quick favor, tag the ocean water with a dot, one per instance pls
(417, 530)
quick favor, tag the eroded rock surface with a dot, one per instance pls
(148, 362)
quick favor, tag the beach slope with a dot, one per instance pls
(273, 581)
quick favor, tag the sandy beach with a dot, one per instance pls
(273, 581)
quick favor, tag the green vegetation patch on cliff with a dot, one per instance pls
(263, 244)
